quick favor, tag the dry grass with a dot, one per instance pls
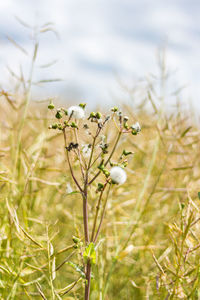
(149, 244)
(149, 247)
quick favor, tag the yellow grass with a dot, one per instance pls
(149, 244)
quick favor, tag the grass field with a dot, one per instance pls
(148, 246)
(149, 243)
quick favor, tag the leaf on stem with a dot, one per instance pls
(90, 253)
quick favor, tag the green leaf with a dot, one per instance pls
(199, 195)
(90, 253)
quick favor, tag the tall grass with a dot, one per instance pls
(149, 243)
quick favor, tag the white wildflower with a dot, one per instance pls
(136, 127)
(86, 150)
(76, 111)
(118, 175)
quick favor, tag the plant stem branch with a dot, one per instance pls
(110, 156)
(93, 146)
(68, 160)
(88, 278)
(85, 213)
(102, 216)
(79, 153)
(97, 212)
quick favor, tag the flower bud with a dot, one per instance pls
(101, 166)
(106, 172)
(75, 239)
(126, 125)
(92, 114)
(100, 187)
(134, 132)
(66, 123)
(60, 127)
(125, 163)
(74, 125)
(82, 105)
(51, 105)
(58, 114)
(98, 115)
(135, 128)
(114, 109)
(54, 126)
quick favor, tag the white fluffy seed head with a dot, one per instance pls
(76, 111)
(118, 175)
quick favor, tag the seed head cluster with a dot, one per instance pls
(95, 152)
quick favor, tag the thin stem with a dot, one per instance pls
(88, 278)
(110, 156)
(85, 204)
(92, 150)
(79, 279)
(98, 156)
(69, 163)
(93, 146)
(102, 216)
(97, 211)
(85, 214)
(79, 153)
(114, 148)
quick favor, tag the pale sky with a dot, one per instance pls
(102, 40)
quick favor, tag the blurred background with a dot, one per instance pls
(101, 46)
(141, 53)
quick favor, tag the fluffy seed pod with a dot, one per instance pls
(76, 112)
(118, 175)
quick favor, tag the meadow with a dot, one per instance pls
(148, 247)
